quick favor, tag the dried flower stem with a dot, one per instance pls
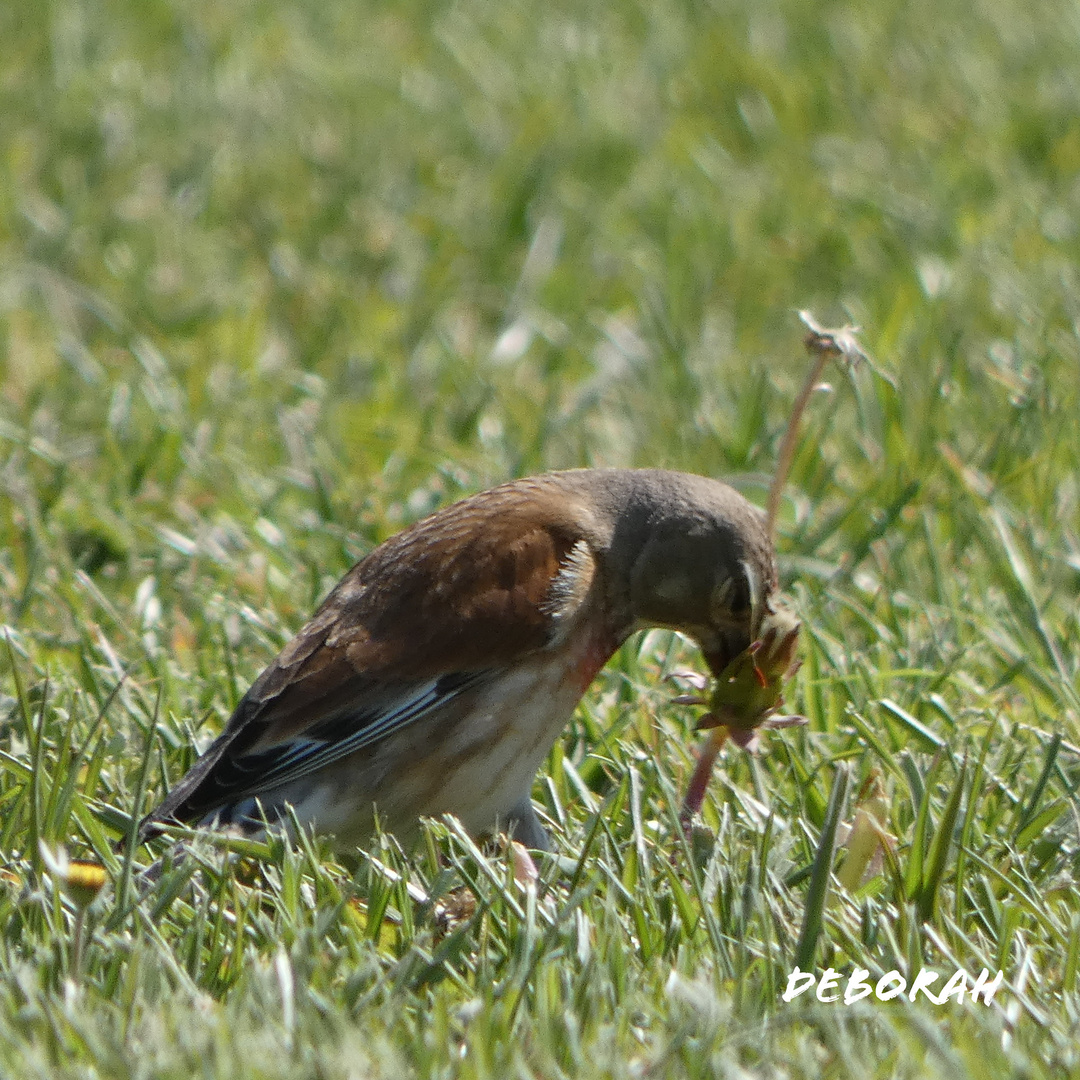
(699, 781)
(823, 345)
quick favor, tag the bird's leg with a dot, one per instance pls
(526, 833)
(525, 826)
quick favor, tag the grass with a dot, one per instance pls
(277, 279)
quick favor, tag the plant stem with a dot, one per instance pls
(822, 346)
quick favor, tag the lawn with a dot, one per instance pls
(277, 279)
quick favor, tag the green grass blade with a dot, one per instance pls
(940, 845)
(817, 893)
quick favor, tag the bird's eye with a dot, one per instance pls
(737, 596)
(721, 600)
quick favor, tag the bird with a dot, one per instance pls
(437, 674)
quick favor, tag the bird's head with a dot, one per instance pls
(700, 561)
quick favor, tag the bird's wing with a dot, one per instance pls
(431, 613)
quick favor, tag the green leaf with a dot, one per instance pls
(817, 894)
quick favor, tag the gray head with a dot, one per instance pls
(689, 553)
